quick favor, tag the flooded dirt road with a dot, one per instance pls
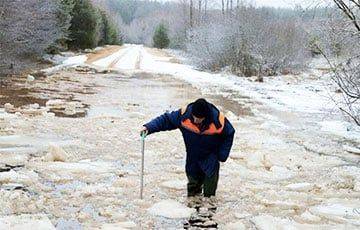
(73, 160)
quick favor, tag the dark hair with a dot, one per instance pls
(200, 108)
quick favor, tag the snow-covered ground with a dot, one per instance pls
(294, 163)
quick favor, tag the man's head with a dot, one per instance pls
(200, 110)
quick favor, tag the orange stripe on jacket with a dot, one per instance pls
(187, 124)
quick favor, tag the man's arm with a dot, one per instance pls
(228, 137)
(165, 122)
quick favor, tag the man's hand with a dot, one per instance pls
(144, 131)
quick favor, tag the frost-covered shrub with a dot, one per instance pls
(344, 29)
(250, 44)
(27, 29)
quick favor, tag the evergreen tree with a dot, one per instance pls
(63, 15)
(160, 38)
(109, 33)
(85, 25)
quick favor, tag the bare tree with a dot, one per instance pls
(346, 74)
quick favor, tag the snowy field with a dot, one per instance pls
(72, 161)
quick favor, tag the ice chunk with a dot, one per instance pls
(351, 149)
(281, 172)
(307, 216)
(56, 153)
(19, 222)
(254, 160)
(13, 159)
(8, 107)
(242, 215)
(30, 78)
(300, 187)
(119, 226)
(357, 186)
(341, 210)
(171, 209)
(80, 167)
(16, 177)
(237, 155)
(64, 224)
(268, 222)
(235, 226)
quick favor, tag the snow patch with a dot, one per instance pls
(340, 128)
(76, 60)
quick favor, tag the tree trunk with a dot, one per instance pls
(205, 7)
(191, 13)
(199, 10)
(223, 7)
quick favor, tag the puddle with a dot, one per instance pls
(233, 106)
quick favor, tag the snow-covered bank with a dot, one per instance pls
(65, 63)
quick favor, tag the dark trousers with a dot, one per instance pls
(209, 184)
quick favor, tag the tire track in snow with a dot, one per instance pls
(111, 59)
(113, 63)
(129, 58)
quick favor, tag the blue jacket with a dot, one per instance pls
(205, 145)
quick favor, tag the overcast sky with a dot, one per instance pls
(287, 3)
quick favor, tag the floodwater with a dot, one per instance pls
(83, 171)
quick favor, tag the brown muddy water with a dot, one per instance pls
(21, 93)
